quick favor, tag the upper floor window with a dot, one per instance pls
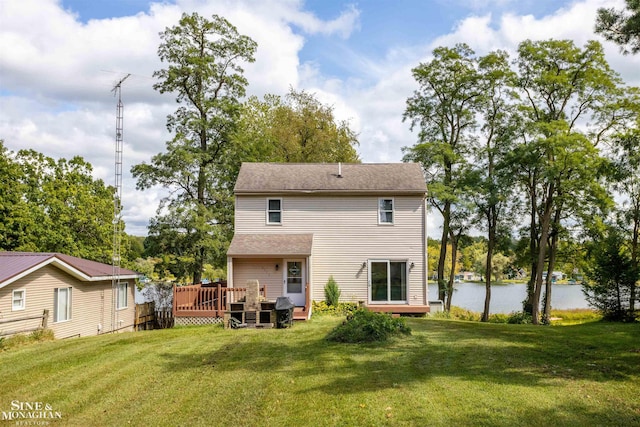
(18, 300)
(274, 211)
(385, 211)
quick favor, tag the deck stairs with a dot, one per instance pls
(300, 313)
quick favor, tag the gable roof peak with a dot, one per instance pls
(346, 178)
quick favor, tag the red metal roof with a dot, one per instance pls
(14, 264)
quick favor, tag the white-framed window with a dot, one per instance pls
(388, 281)
(385, 210)
(274, 211)
(61, 304)
(18, 300)
(123, 295)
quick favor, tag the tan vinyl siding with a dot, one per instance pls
(346, 234)
(261, 269)
(91, 304)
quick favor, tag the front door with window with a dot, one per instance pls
(387, 281)
(294, 281)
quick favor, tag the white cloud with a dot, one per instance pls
(57, 74)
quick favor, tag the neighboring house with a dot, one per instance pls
(555, 275)
(364, 224)
(469, 276)
(78, 294)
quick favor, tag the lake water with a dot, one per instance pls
(504, 298)
(508, 297)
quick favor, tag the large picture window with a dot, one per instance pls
(274, 211)
(123, 295)
(385, 211)
(388, 281)
(61, 304)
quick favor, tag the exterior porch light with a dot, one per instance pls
(277, 267)
(412, 265)
(364, 264)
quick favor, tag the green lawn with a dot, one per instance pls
(446, 373)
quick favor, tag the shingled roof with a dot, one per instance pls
(271, 244)
(396, 178)
(14, 265)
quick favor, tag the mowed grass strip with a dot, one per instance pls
(445, 373)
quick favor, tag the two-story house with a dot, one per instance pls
(364, 224)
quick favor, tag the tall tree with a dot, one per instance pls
(16, 220)
(204, 71)
(443, 108)
(54, 206)
(627, 169)
(621, 26)
(293, 128)
(562, 85)
(491, 180)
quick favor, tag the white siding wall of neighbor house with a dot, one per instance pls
(346, 234)
(91, 304)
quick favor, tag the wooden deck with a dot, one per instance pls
(398, 308)
(199, 301)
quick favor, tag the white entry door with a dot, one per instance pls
(294, 281)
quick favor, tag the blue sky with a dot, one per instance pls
(61, 58)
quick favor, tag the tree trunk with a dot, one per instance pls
(489, 264)
(446, 215)
(553, 250)
(452, 274)
(533, 251)
(634, 256)
(545, 225)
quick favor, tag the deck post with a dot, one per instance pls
(175, 301)
(45, 318)
(219, 299)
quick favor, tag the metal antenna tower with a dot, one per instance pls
(117, 202)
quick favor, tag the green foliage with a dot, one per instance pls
(332, 292)
(295, 128)
(194, 223)
(612, 277)
(340, 309)
(573, 317)
(443, 109)
(366, 326)
(54, 206)
(458, 313)
(621, 26)
(519, 318)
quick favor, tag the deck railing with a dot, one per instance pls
(199, 301)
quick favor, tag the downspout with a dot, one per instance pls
(229, 272)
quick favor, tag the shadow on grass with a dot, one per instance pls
(498, 354)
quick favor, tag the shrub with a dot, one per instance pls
(20, 340)
(332, 292)
(366, 326)
(499, 318)
(458, 313)
(519, 318)
(341, 309)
